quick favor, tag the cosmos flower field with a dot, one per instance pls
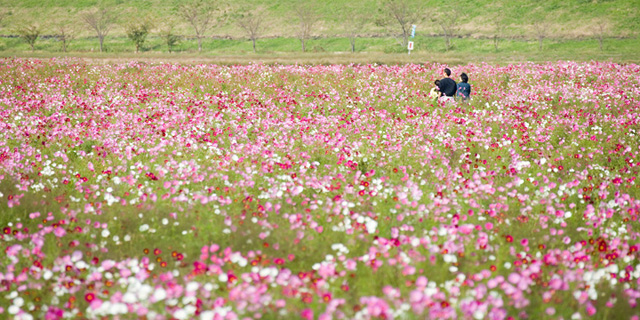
(170, 191)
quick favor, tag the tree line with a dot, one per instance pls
(202, 16)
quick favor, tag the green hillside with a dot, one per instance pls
(565, 18)
(570, 27)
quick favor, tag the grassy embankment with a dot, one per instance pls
(572, 30)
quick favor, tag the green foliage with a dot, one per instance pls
(171, 40)
(29, 34)
(137, 32)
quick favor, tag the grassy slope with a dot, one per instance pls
(566, 17)
(571, 29)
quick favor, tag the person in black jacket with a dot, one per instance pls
(447, 85)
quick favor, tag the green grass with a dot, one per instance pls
(572, 29)
(336, 50)
(565, 18)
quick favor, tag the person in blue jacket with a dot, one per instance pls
(463, 90)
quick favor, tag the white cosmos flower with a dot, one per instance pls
(159, 295)
(371, 225)
(180, 314)
(192, 286)
(129, 298)
(19, 302)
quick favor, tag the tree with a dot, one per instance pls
(252, 25)
(170, 38)
(64, 33)
(540, 30)
(449, 21)
(307, 18)
(540, 25)
(199, 14)
(137, 31)
(353, 22)
(601, 31)
(29, 33)
(100, 21)
(403, 13)
(499, 24)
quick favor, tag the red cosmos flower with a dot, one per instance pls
(199, 267)
(151, 176)
(6, 230)
(602, 246)
(509, 238)
(326, 297)
(157, 251)
(307, 297)
(89, 297)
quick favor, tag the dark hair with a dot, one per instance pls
(464, 77)
(447, 71)
(437, 82)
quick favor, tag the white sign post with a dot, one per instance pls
(413, 35)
